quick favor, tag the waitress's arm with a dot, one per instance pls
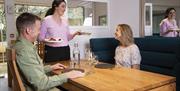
(163, 29)
(43, 32)
(71, 36)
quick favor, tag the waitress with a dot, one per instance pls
(168, 25)
(55, 28)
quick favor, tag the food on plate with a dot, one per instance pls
(52, 39)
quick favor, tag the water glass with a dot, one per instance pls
(74, 64)
(87, 53)
(71, 64)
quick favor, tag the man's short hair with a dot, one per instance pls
(26, 20)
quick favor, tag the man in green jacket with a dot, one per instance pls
(32, 70)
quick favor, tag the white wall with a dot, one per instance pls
(10, 21)
(125, 11)
(83, 40)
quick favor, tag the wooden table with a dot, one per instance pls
(121, 79)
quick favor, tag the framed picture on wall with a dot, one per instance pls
(103, 20)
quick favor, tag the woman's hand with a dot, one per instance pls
(58, 66)
(78, 33)
(170, 30)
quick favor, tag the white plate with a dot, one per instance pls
(51, 41)
(177, 29)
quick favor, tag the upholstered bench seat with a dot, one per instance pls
(159, 54)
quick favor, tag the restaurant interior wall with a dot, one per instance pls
(125, 11)
(117, 13)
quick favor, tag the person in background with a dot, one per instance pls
(127, 53)
(168, 25)
(55, 27)
(32, 71)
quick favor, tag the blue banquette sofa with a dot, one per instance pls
(159, 54)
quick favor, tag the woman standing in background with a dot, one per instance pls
(168, 25)
(127, 53)
(55, 27)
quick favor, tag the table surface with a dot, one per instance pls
(120, 79)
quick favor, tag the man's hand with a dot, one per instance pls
(74, 74)
(57, 66)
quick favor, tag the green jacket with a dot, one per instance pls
(32, 70)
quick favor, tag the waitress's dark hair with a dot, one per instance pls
(168, 11)
(55, 4)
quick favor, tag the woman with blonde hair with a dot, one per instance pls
(127, 53)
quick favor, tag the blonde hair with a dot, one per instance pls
(126, 37)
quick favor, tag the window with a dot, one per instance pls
(37, 10)
(76, 16)
(2, 23)
(87, 13)
(79, 12)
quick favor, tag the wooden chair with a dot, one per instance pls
(14, 80)
(40, 48)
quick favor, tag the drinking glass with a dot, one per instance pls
(87, 53)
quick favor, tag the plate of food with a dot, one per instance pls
(53, 40)
(178, 30)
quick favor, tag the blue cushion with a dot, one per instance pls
(158, 44)
(157, 69)
(103, 44)
(159, 54)
(166, 60)
(104, 48)
(106, 56)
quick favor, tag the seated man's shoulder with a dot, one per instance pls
(19, 46)
(22, 48)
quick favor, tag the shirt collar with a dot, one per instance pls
(25, 41)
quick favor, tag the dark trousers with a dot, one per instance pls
(56, 53)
